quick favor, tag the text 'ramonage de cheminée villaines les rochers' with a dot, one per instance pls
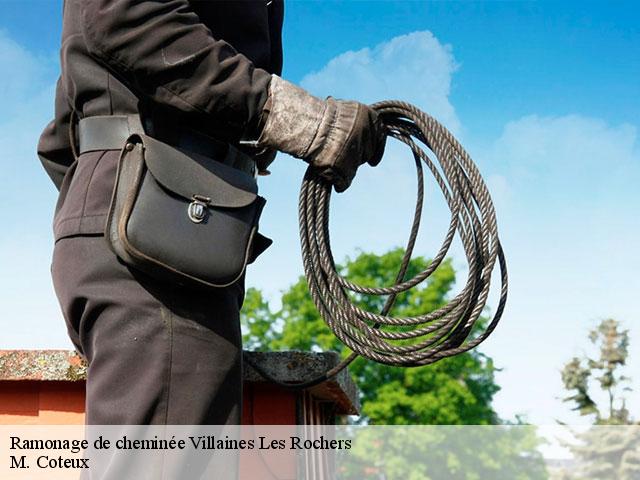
(202, 442)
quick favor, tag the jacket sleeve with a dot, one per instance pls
(163, 51)
(54, 147)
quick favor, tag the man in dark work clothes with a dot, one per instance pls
(160, 353)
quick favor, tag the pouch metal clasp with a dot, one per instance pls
(198, 208)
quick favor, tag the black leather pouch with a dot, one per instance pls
(183, 217)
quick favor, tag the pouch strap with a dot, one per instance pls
(109, 132)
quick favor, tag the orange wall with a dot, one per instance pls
(62, 403)
(36, 403)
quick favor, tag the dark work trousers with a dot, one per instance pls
(158, 353)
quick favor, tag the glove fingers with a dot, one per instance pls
(336, 178)
(363, 141)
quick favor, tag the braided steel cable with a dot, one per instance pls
(429, 337)
(433, 335)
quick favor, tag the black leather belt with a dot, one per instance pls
(109, 132)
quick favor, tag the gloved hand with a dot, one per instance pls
(336, 136)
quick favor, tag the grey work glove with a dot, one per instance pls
(336, 136)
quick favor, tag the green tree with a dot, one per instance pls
(608, 449)
(457, 390)
(612, 344)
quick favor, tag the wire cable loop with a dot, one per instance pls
(431, 336)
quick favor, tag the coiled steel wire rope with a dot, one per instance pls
(429, 337)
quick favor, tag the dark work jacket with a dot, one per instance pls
(205, 65)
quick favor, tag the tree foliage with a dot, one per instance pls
(612, 344)
(608, 449)
(456, 390)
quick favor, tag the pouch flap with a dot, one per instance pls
(188, 174)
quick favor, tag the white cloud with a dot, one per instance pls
(568, 159)
(569, 225)
(31, 317)
(27, 91)
(23, 75)
(415, 67)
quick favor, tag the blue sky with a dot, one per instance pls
(545, 96)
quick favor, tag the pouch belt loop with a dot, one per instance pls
(135, 124)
